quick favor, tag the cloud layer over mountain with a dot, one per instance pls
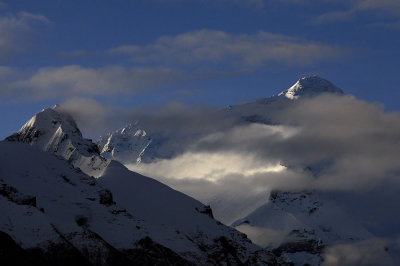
(348, 144)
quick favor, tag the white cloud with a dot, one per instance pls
(375, 251)
(221, 48)
(208, 166)
(17, 32)
(251, 3)
(198, 55)
(351, 9)
(235, 184)
(77, 81)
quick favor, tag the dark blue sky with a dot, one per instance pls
(220, 52)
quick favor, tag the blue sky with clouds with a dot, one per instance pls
(214, 52)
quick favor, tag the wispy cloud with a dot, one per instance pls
(251, 3)
(17, 32)
(75, 54)
(221, 48)
(395, 25)
(254, 4)
(351, 9)
(374, 251)
(77, 81)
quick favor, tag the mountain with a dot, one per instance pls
(297, 226)
(129, 144)
(310, 86)
(55, 212)
(133, 145)
(57, 133)
(126, 145)
(265, 110)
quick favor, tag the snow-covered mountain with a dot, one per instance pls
(297, 226)
(310, 86)
(57, 133)
(51, 210)
(126, 145)
(55, 214)
(131, 144)
(165, 226)
(265, 110)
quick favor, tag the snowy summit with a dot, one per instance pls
(310, 86)
(127, 144)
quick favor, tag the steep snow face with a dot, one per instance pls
(179, 222)
(126, 145)
(57, 132)
(310, 86)
(46, 203)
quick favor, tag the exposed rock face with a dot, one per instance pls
(12, 194)
(206, 210)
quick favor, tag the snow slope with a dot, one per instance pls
(47, 204)
(178, 221)
(120, 209)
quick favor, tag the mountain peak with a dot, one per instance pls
(52, 118)
(126, 144)
(54, 131)
(310, 86)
